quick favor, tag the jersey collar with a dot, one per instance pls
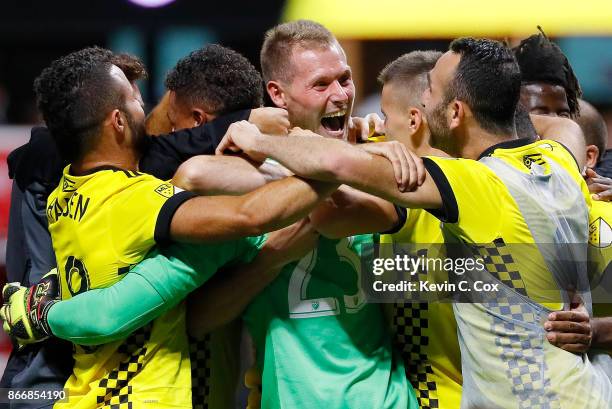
(96, 169)
(513, 143)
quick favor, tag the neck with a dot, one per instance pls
(419, 144)
(96, 159)
(479, 140)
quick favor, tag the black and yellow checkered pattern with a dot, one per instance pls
(114, 389)
(410, 321)
(501, 265)
(200, 356)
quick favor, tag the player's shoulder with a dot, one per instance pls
(133, 182)
(460, 164)
(458, 172)
(558, 152)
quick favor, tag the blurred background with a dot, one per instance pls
(372, 32)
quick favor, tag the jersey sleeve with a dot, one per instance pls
(248, 248)
(141, 217)
(470, 197)
(165, 153)
(180, 268)
(109, 314)
(159, 282)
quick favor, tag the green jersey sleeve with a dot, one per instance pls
(159, 283)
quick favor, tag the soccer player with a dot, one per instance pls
(549, 87)
(595, 133)
(548, 83)
(207, 82)
(470, 105)
(432, 360)
(103, 203)
(573, 330)
(306, 72)
(37, 168)
(55, 329)
(425, 333)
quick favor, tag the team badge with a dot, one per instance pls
(600, 233)
(532, 158)
(165, 190)
(68, 185)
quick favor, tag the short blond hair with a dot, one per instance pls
(279, 41)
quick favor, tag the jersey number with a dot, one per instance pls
(77, 278)
(302, 307)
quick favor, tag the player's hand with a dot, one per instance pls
(291, 243)
(25, 310)
(599, 186)
(407, 166)
(570, 330)
(271, 121)
(241, 136)
(360, 129)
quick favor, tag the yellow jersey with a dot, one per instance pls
(518, 193)
(101, 224)
(600, 246)
(426, 332)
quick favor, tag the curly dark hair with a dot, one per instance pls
(541, 60)
(488, 80)
(74, 94)
(218, 79)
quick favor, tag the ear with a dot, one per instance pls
(456, 113)
(200, 116)
(118, 121)
(592, 154)
(415, 119)
(276, 93)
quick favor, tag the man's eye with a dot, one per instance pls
(564, 114)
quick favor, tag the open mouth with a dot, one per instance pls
(334, 121)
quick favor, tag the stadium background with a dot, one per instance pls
(33, 33)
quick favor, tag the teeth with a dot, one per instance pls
(335, 114)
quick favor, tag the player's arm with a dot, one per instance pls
(226, 295)
(570, 330)
(269, 208)
(165, 153)
(103, 315)
(348, 212)
(602, 333)
(339, 162)
(575, 331)
(214, 175)
(562, 130)
(158, 283)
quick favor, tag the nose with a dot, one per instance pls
(338, 93)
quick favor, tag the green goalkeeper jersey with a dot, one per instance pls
(319, 344)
